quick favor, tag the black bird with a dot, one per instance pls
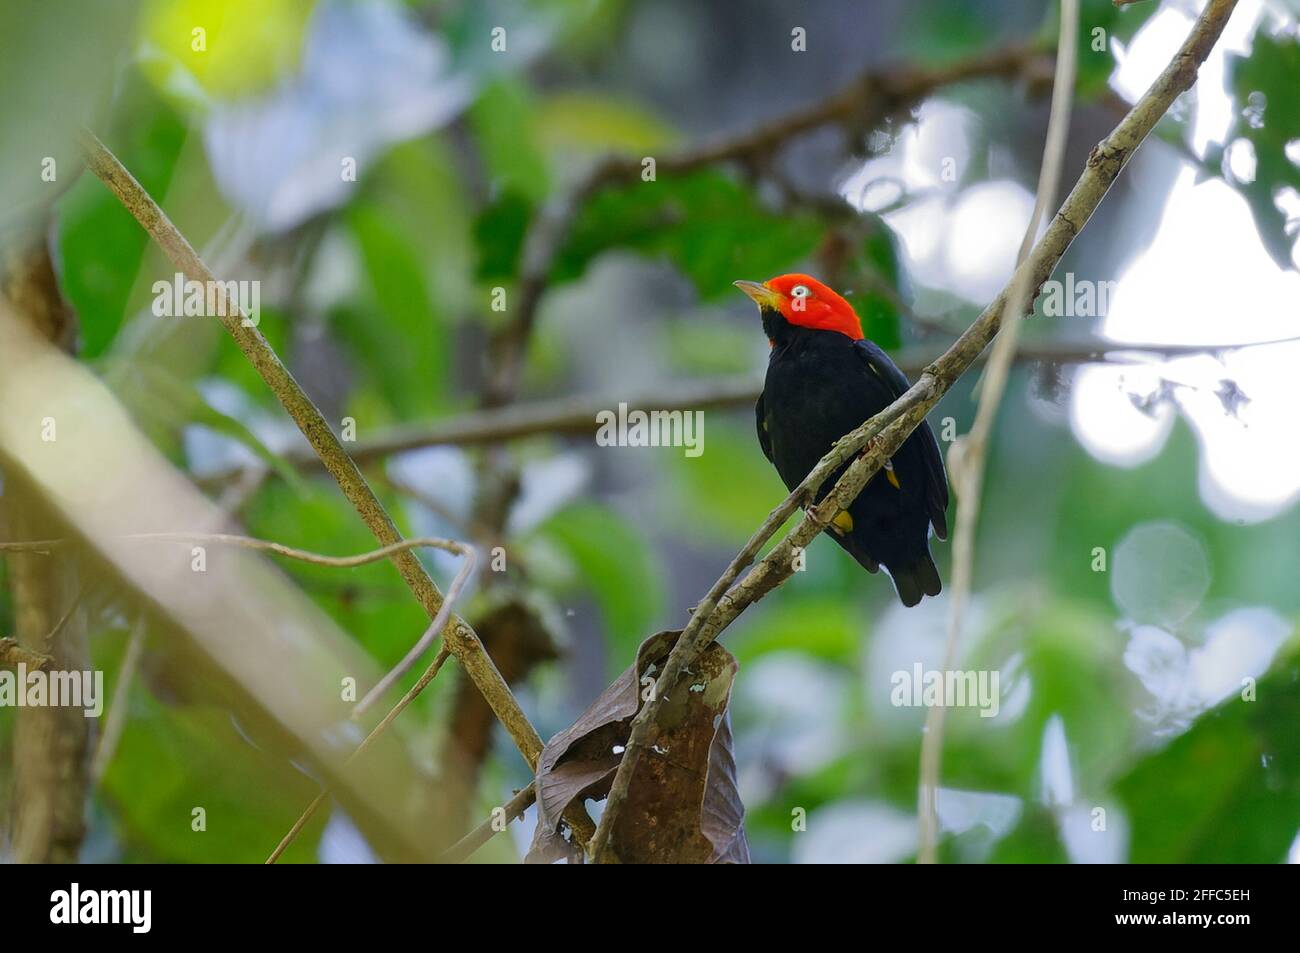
(823, 380)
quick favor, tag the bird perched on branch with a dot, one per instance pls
(824, 379)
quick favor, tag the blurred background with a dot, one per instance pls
(1175, 455)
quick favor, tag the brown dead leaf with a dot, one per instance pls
(683, 806)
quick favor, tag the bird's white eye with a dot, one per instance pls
(800, 291)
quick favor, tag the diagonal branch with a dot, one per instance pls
(117, 708)
(514, 808)
(888, 429)
(429, 674)
(458, 637)
(461, 639)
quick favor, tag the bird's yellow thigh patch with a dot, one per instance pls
(843, 523)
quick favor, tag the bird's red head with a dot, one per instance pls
(805, 302)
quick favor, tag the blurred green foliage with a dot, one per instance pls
(440, 219)
(1269, 120)
(706, 224)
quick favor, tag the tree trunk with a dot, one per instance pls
(51, 744)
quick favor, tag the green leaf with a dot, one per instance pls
(941, 31)
(730, 487)
(1071, 657)
(596, 123)
(878, 308)
(174, 759)
(826, 628)
(708, 225)
(1034, 840)
(505, 125)
(714, 343)
(1228, 789)
(400, 339)
(1100, 24)
(1165, 488)
(1268, 117)
(616, 566)
(101, 247)
(499, 234)
(165, 404)
(418, 189)
(368, 602)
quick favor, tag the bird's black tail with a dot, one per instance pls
(917, 580)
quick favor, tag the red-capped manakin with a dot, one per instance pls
(823, 380)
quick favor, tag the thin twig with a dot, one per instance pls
(14, 654)
(576, 416)
(458, 636)
(43, 546)
(67, 614)
(969, 452)
(515, 807)
(888, 429)
(469, 562)
(429, 675)
(306, 556)
(262, 545)
(467, 567)
(118, 708)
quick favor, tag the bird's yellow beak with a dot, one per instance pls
(762, 295)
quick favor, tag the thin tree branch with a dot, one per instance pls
(458, 636)
(50, 744)
(306, 556)
(966, 460)
(512, 809)
(43, 546)
(469, 562)
(12, 653)
(888, 429)
(576, 416)
(872, 97)
(117, 709)
(429, 675)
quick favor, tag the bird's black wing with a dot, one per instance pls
(936, 489)
(760, 415)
